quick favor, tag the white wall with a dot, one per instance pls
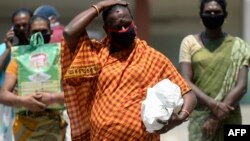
(246, 20)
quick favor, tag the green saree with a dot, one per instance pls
(215, 73)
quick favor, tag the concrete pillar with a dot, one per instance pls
(246, 37)
(246, 20)
(142, 18)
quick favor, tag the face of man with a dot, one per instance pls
(43, 27)
(20, 24)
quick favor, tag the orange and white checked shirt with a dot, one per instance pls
(104, 92)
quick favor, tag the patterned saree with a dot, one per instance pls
(215, 73)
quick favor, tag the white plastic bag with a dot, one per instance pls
(162, 100)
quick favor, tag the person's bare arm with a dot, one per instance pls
(77, 26)
(211, 124)
(188, 105)
(234, 96)
(187, 73)
(176, 119)
(10, 99)
(239, 90)
(51, 98)
(6, 95)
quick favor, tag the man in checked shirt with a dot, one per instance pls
(105, 103)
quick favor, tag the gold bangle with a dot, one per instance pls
(185, 111)
(188, 114)
(96, 8)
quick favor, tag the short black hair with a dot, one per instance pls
(21, 10)
(36, 18)
(222, 3)
(107, 11)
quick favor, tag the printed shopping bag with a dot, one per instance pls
(39, 68)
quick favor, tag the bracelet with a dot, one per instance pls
(96, 8)
(185, 111)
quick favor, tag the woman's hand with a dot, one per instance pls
(222, 110)
(107, 3)
(46, 98)
(210, 126)
(51, 98)
(32, 102)
(174, 121)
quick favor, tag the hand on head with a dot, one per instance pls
(107, 3)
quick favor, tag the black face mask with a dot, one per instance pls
(46, 35)
(125, 38)
(213, 21)
(22, 37)
(46, 38)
